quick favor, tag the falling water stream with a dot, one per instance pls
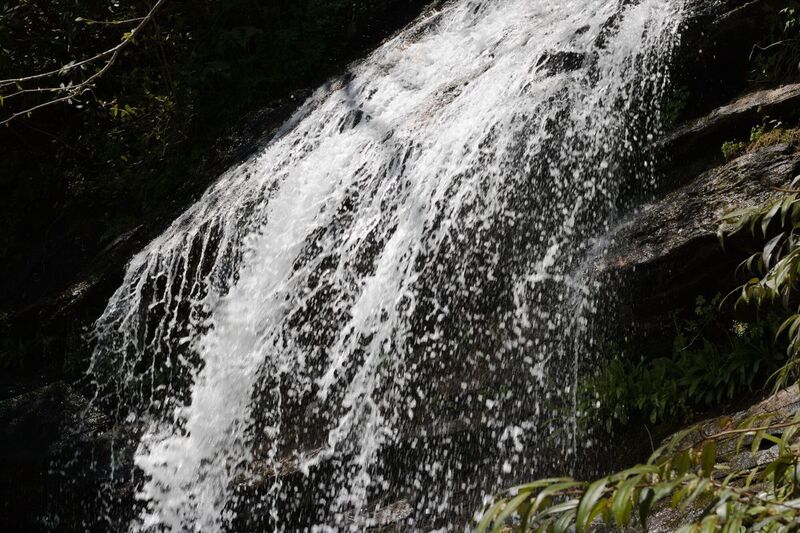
(378, 318)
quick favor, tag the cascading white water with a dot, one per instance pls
(387, 302)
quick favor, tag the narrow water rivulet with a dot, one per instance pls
(379, 317)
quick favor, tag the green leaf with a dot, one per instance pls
(678, 496)
(526, 511)
(708, 458)
(601, 508)
(781, 467)
(759, 436)
(561, 508)
(699, 488)
(623, 500)
(489, 515)
(768, 218)
(587, 503)
(786, 323)
(769, 249)
(564, 522)
(734, 525)
(786, 207)
(540, 483)
(646, 499)
(682, 463)
(709, 524)
(551, 490)
(509, 509)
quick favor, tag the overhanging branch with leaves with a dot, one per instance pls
(12, 88)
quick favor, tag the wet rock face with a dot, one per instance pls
(55, 452)
(561, 61)
(695, 145)
(714, 62)
(672, 228)
(49, 444)
(668, 253)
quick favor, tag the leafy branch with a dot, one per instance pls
(777, 58)
(68, 92)
(775, 268)
(683, 476)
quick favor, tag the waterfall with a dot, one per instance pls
(379, 317)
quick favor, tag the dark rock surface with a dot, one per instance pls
(713, 62)
(54, 450)
(672, 230)
(668, 253)
(700, 139)
(561, 61)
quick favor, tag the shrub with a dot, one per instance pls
(714, 360)
(685, 473)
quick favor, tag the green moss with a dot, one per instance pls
(733, 149)
(768, 133)
(777, 136)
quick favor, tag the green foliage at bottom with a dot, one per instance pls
(686, 474)
(773, 268)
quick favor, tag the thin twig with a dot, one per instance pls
(36, 90)
(36, 108)
(111, 22)
(729, 432)
(652, 444)
(765, 48)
